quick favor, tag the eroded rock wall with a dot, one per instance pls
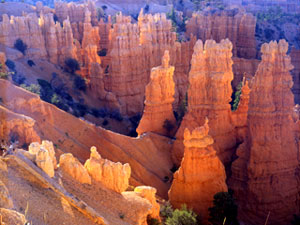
(236, 25)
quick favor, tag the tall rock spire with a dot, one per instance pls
(209, 95)
(159, 98)
(264, 175)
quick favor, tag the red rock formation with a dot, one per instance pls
(211, 72)
(27, 29)
(159, 98)
(144, 42)
(114, 176)
(264, 177)
(201, 174)
(17, 127)
(70, 165)
(295, 56)
(75, 12)
(149, 194)
(90, 45)
(237, 26)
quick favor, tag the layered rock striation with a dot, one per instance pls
(201, 174)
(264, 177)
(159, 98)
(211, 72)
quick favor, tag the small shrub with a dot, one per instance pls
(166, 179)
(105, 123)
(3, 75)
(146, 9)
(168, 125)
(174, 168)
(269, 33)
(56, 100)
(20, 45)
(46, 90)
(30, 63)
(152, 221)
(237, 96)
(79, 83)
(182, 108)
(34, 88)
(18, 78)
(166, 210)
(10, 64)
(116, 115)
(121, 215)
(103, 112)
(79, 109)
(100, 13)
(102, 52)
(95, 112)
(183, 216)
(55, 18)
(106, 71)
(71, 65)
(223, 207)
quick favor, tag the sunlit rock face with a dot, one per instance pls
(201, 174)
(159, 98)
(149, 194)
(71, 166)
(236, 25)
(114, 176)
(209, 95)
(264, 177)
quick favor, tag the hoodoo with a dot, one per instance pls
(201, 174)
(159, 98)
(264, 177)
(209, 95)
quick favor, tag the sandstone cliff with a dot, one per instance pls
(211, 72)
(264, 176)
(201, 174)
(236, 25)
(159, 98)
